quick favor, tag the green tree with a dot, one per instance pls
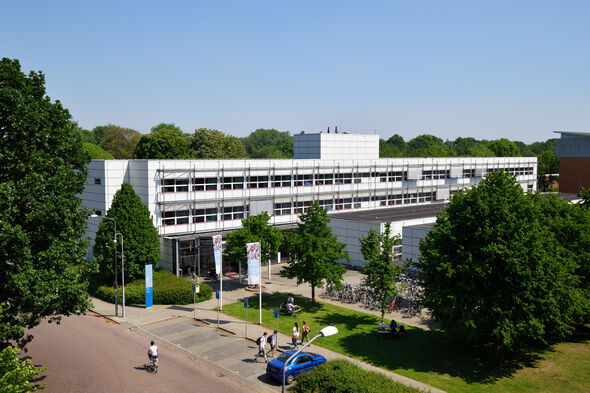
(428, 146)
(504, 148)
(120, 142)
(162, 143)
(254, 229)
(42, 249)
(547, 169)
(585, 196)
(493, 272)
(314, 250)
(96, 152)
(380, 272)
(205, 143)
(167, 126)
(141, 242)
(267, 143)
(99, 135)
(571, 226)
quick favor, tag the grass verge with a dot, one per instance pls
(431, 356)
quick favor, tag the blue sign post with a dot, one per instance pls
(246, 307)
(149, 288)
(277, 319)
(217, 297)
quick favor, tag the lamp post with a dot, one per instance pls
(122, 265)
(325, 332)
(122, 268)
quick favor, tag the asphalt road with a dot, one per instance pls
(92, 354)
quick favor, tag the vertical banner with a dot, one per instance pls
(149, 290)
(253, 251)
(217, 252)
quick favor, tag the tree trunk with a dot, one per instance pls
(313, 294)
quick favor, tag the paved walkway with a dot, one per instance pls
(226, 348)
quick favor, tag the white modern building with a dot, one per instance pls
(191, 200)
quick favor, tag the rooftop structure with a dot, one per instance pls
(573, 151)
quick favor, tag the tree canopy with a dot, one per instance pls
(254, 229)
(42, 225)
(379, 271)
(96, 152)
(141, 242)
(269, 143)
(162, 143)
(205, 143)
(547, 169)
(494, 272)
(120, 141)
(313, 250)
(504, 148)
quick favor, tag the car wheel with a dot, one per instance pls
(289, 379)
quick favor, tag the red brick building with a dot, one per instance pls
(573, 151)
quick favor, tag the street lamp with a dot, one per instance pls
(325, 332)
(122, 264)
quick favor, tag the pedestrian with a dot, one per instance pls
(272, 341)
(261, 347)
(295, 335)
(304, 332)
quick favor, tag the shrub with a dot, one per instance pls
(168, 289)
(342, 376)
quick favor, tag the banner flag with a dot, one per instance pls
(149, 290)
(253, 251)
(217, 248)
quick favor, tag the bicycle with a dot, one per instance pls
(153, 366)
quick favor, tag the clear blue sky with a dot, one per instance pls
(513, 69)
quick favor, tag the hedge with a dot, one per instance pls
(342, 376)
(168, 289)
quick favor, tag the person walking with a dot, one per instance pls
(304, 332)
(261, 347)
(272, 341)
(295, 335)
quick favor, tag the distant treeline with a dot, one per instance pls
(167, 141)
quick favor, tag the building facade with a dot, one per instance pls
(191, 200)
(573, 151)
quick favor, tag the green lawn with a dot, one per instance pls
(431, 356)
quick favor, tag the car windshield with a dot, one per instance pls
(283, 357)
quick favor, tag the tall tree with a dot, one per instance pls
(120, 141)
(547, 169)
(314, 250)
(254, 229)
(168, 126)
(96, 152)
(141, 243)
(205, 143)
(267, 143)
(162, 143)
(504, 148)
(379, 271)
(493, 272)
(42, 249)
(99, 135)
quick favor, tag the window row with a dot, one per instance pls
(177, 217)
(241, 182)
(286, 208)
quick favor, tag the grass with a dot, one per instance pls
(431, 356)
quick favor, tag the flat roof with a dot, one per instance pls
(573, 133)
(393, 214)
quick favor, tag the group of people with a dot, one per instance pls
(272, 340)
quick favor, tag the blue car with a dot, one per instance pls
(302, 363)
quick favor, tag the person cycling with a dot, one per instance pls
(153, 353)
